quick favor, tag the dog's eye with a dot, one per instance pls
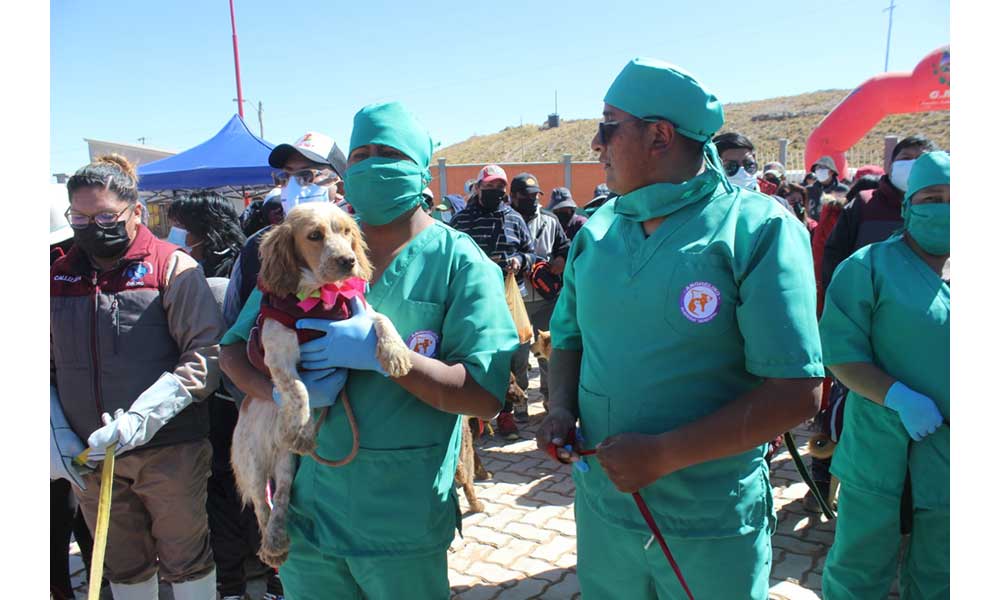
(315, 236)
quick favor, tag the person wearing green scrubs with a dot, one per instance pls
(380, 527)
(885, 330)
(719, 351)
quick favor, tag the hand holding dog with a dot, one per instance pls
(323, 386)
(349, 343)
(633, 460)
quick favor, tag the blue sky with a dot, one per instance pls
(164, 70)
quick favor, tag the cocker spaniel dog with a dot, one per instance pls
(317, 251)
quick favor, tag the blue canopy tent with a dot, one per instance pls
(233, 163)
(234, 157)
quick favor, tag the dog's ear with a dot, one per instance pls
(362, 265)
(279, 267)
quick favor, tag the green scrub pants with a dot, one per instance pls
(616, 563)
(308, 574)
(862, 562)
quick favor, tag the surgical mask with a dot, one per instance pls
(491, 199)
(744, 180)
(900, 173)
(103, 243)
(822, 175)
(382, 189)
(177, 236)
(662, 199)
(294, 194)
(929, 225)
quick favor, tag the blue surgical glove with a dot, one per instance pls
(349, 343)
(919, 414)
(323, 386)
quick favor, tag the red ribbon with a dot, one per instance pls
(329, 293)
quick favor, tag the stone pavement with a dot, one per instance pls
(523, 545)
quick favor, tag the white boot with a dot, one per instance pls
(144, 590)
(197, 589)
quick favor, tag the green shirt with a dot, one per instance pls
(886, 306)
(673, 327)
(446, 299)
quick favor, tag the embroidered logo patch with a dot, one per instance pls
(700, 301)
(137, 272)
(424, 342)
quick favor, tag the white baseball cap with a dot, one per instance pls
(313, 146)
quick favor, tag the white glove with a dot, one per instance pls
(152, 410)
(64, 445)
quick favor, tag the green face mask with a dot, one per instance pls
(661, 199)
(929, 225)
(383, 189)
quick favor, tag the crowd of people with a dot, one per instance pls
(715, 268)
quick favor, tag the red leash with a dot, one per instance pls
(646, 515)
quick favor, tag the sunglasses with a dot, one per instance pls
(105, 220)
(280, 178)
(606, 129)
(309, 176)
(732, 166)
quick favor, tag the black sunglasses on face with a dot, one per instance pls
(732, 166)
(605, 129)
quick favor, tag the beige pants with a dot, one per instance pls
(157, 512)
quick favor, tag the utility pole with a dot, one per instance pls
(142, 141)
(236, 57)
(888, 36)
(260, 113)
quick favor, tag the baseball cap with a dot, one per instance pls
(562, 198)
(313, 146)
(601, 190)
(525, 182)
(491, 172)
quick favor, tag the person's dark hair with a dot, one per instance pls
(809, 175)
(113, 172)
(254, 218)
(914, 141)
(731, 140)
(868, 182)
(213, 219)
(841, 187)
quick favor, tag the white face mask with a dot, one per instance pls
(900, 173)
(823, 175)
(744, 180)
(294, 194)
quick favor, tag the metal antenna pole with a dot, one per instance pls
(236, 59)
(260, 117)
(888, 36)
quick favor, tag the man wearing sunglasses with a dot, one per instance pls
(683, 341)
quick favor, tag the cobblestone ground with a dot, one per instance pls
(523, 546)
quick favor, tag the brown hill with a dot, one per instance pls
(763, 121)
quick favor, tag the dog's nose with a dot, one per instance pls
(347, 262)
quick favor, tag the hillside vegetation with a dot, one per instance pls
(763, 121)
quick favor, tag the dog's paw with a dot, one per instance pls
(274, 547)
(272, 558)
(482, 474)
(394, 356)
(301, 442)
(476, 506)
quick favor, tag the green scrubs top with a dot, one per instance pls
(673, 327)
(445, 298)
(886, 306)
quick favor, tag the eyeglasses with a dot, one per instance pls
(280, 178)
(308, 176)
(605, 129)
(105, 220)
(732, 166)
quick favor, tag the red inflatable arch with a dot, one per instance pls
(926, 89)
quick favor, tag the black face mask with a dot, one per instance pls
(102, 243)
(491, 199)
(526, 206)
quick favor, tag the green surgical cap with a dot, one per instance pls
(933, 168)
(390, 124)
(648, 87)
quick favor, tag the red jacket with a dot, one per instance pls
(828, 217)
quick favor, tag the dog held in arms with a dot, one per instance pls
(317, 245)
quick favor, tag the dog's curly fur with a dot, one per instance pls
(318, 243)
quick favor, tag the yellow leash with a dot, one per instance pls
(103, 519)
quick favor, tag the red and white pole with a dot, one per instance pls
(236, 59)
